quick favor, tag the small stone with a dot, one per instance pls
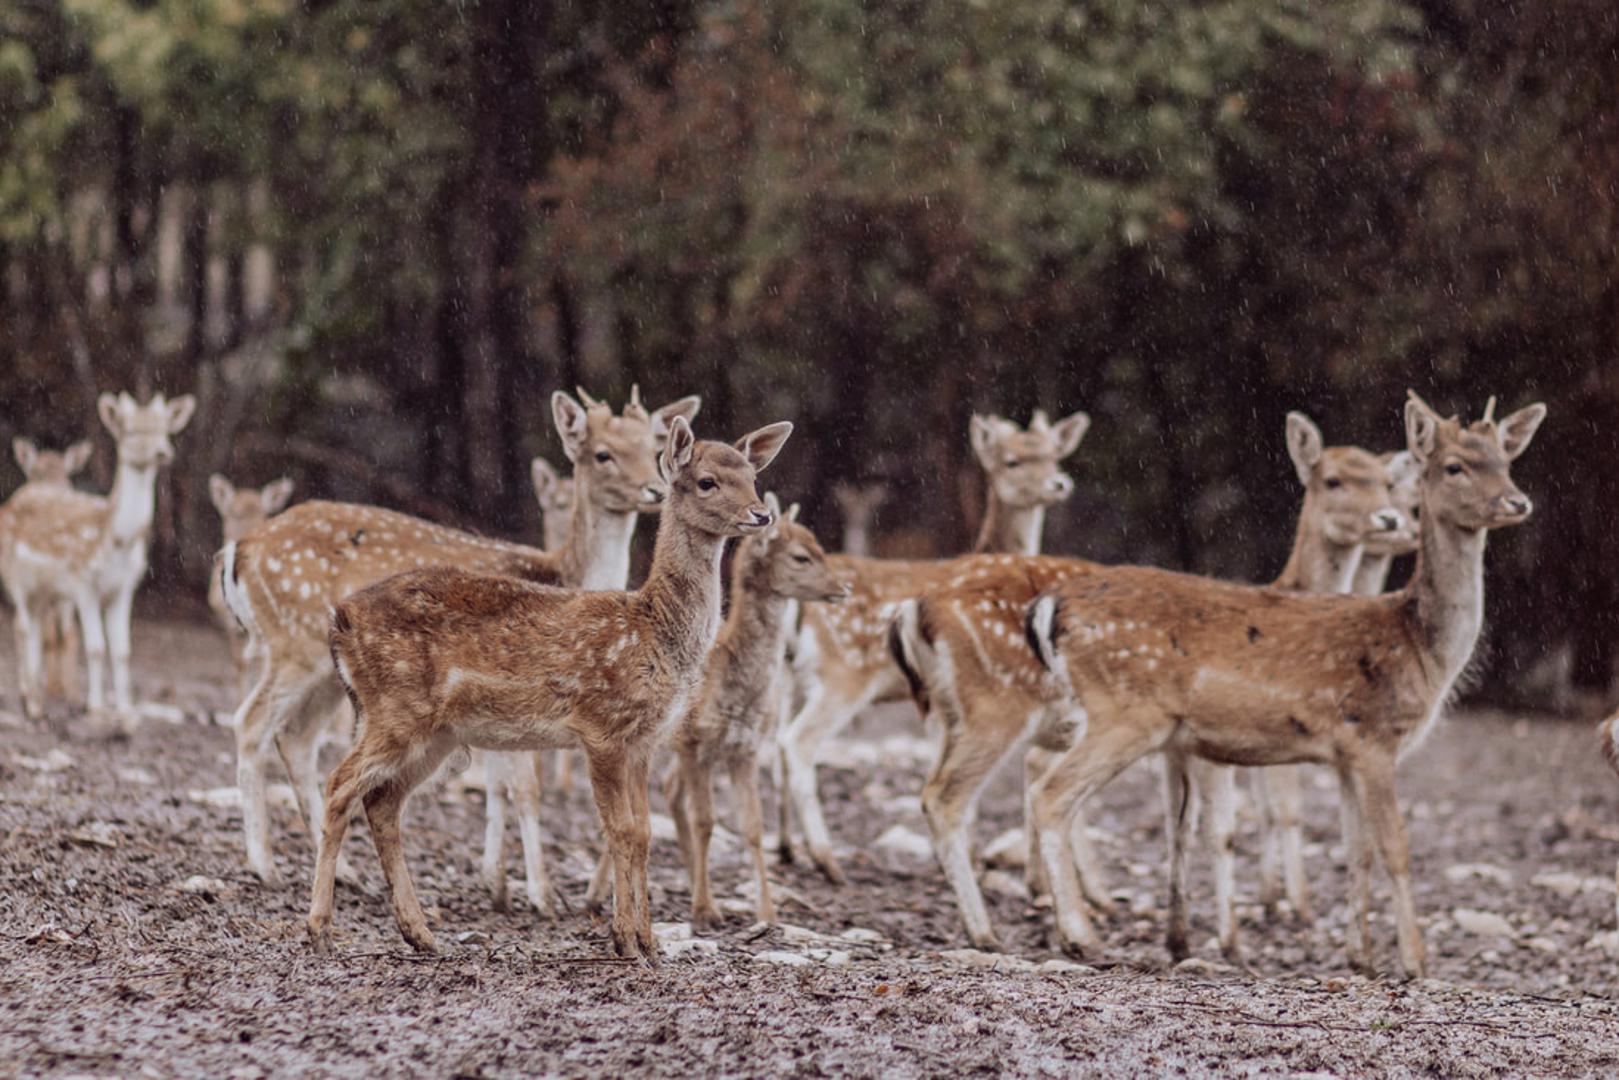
(206, 886)
(1064, 967)
(903, 841)
(1544, 944)
(101, 834)
(689, 947)
(782, 958)
(986, 961)
(859, 935)
(1483, 871)
(134, 774)
(472, 937)
(55, 760)
(671, 931)
(1482, 923)
(1608, 943)
(1008, 851)
(1001, 883)
(836, 958)
(1197, 965)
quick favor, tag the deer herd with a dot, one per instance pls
(440, 640)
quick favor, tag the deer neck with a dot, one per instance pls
(681, 596)
(132, 503)
(1448, 588)
(756, 626)
(1372, 576)
(1318, 564)
(856, 539)
(1010, 530)
(597, 553)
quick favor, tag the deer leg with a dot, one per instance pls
(609, 788)
(1180, 806)
(300, 752)
(1101, 754)
(674, 796)
(525, 793)
(342, 789)
(30, 654)
(382, 808)
(699, 785)
(497, 771)
(1284, 836)
(119, 612)
(640, 797)
(1092, 880)
(278, 697)
(1380, 809)
(967, 757)
(1357, 941)
(563, 774)
(1217, 790)
(825, 714)
(95, 651)
(745, 790)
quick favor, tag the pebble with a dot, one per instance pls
(987, 961)
(55, 760)
(903, 841)
(1464, 871)
(1064, 967)
(784, 959)
(1482, 923)
(678, 947)
(859, 935)
(197, 883)
(1008, 851)
(1001, 883)
(134, 774)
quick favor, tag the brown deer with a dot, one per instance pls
(858, 503)
(1608, 733)
(241, 510)
(968, 664)
(58, 544)
(841, 659)
(284, 578)
(442, 658)
(1158, 661)
(739, 703)
(555, 494)
(59, 631)
(1372, 576)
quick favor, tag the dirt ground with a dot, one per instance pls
(134, 942)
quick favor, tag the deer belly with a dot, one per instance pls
(1258, 736)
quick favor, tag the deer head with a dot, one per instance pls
(713, 487)
(615, 458)
(1405, 492)
(50, 467)
(1467, 471)
(142, 431)
(1346, 489)
(1022, 463)
(553, 490)
(788, 560)
(241, 510)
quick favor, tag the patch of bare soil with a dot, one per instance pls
(133, 941)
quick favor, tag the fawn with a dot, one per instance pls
(241, 510)
(282, 580)
(59, 544)
(58, 629)
(739, 703)
(841, 660)
(1153, 660)
(440, 658)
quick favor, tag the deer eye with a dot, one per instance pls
(603, 456)
(1453, 469)
(708, 483)
(802, 560)
(1012, 463)
(1333, 483)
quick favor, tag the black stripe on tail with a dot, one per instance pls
(1041, 627)
(896, 649)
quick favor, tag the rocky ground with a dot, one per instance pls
(134, 942)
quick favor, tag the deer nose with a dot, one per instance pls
(1061, 484)
(761, 516)
(654, 493)
(1516, 504)
(1387, 521)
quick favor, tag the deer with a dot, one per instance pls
(1152, 660)
(58, 544)
(738, 705)
(1608, 736)
(841, 660)
(555, 494)
(241, 510)
(282, 580)
(444, 657)
(1372, 576)
(59, 631)
(859, 504)
(964, 654)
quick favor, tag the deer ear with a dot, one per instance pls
(1068, 431)
(762, 446)
(221, 491)
(791, 517)
(686, 407)
(545, 478)
(571, 422)
(984, 432)
(78, 455)
(773, 504)
(179, 413)
(677, 450)
(1304, 445)
(1517, 430)
(1421, 428)
(275, 495)
(26, 454)
(107, 407)
(1401, 466)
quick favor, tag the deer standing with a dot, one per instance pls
(59, 631)
(58, 544)
(241, 510)
(555, 494)
(969, 666)
(858, 504)
(282, 581)
(739, 703)
(841, 659)
(1159, 661)
(442, 658)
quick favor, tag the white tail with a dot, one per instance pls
(57, 545)
(442, 658)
